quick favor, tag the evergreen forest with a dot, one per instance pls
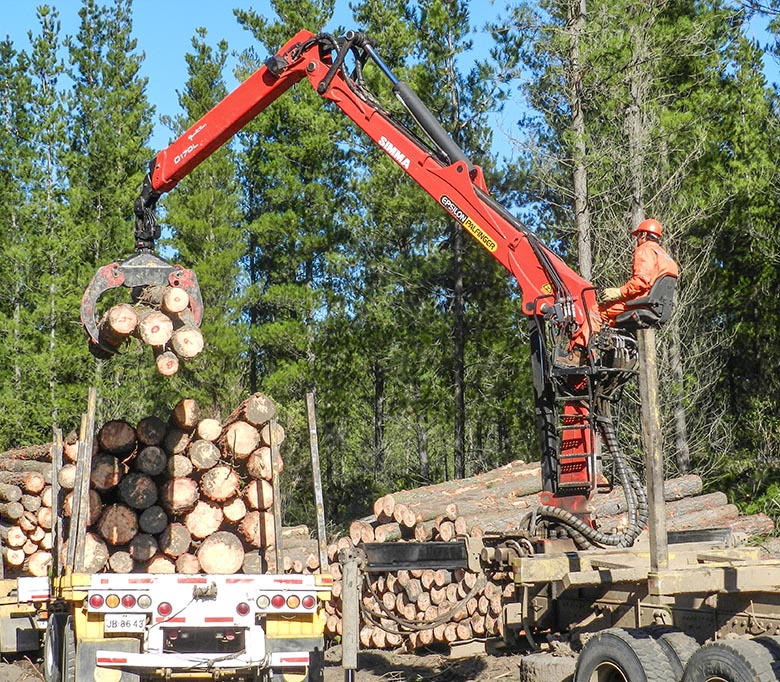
(324, 268)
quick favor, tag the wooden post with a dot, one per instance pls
(80, 512)
(651, 440)
(351, 560)
(56, 503)
(277, 505)
(317, 477)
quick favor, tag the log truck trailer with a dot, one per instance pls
(569, 574)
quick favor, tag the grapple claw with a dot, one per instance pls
(137, 272)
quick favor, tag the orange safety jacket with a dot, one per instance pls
(650, 263)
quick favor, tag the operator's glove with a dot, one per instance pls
(610, 294)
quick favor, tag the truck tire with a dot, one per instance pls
(52, 647)
(733, 660)
(618, 655)
(69, 651)
(677, 646)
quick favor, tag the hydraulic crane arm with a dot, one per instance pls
(573, 404)
(443, 170)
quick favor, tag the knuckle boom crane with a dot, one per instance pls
(574, 400)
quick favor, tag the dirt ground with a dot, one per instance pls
(386, 666)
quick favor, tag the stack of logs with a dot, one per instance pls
(184, 495)
(418, 608)
(162, 319)
(26, 510)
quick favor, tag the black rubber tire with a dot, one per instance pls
(52, 647)
(732, 660)
(677, 646)
(618, 655)
(69, 651)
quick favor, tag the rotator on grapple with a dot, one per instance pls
(575, 400)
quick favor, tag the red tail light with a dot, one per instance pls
(242, 609)
(164, 609)
(96, 601)
(128, 601)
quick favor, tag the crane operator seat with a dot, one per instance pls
(653, 310)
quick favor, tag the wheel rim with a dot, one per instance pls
(608, 672)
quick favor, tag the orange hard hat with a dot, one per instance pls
(651, 226)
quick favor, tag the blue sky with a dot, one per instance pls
(164, 30)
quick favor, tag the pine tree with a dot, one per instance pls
(111, 123)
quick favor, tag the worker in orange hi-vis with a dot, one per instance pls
(650, 263)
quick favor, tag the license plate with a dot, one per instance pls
(124, 622)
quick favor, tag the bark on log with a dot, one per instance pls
(176, 441)
(118, 323)
(142, 547)
(175, 540)
(151, 430)
(31, 502)
(221, 552)
(41, 453)
(138, 490)
(11, 510)
(204, 454)
(153, 520)
(259, 409)
(151, 460)
(186, 414)
(28, 481)
(10, 493)
(118, 524)
(117, 437)
(220, 483)
(121, 562)
(106, 472)
(179, 466)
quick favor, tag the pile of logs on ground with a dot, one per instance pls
(186, 494)
(162, 319)
(417, 608)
